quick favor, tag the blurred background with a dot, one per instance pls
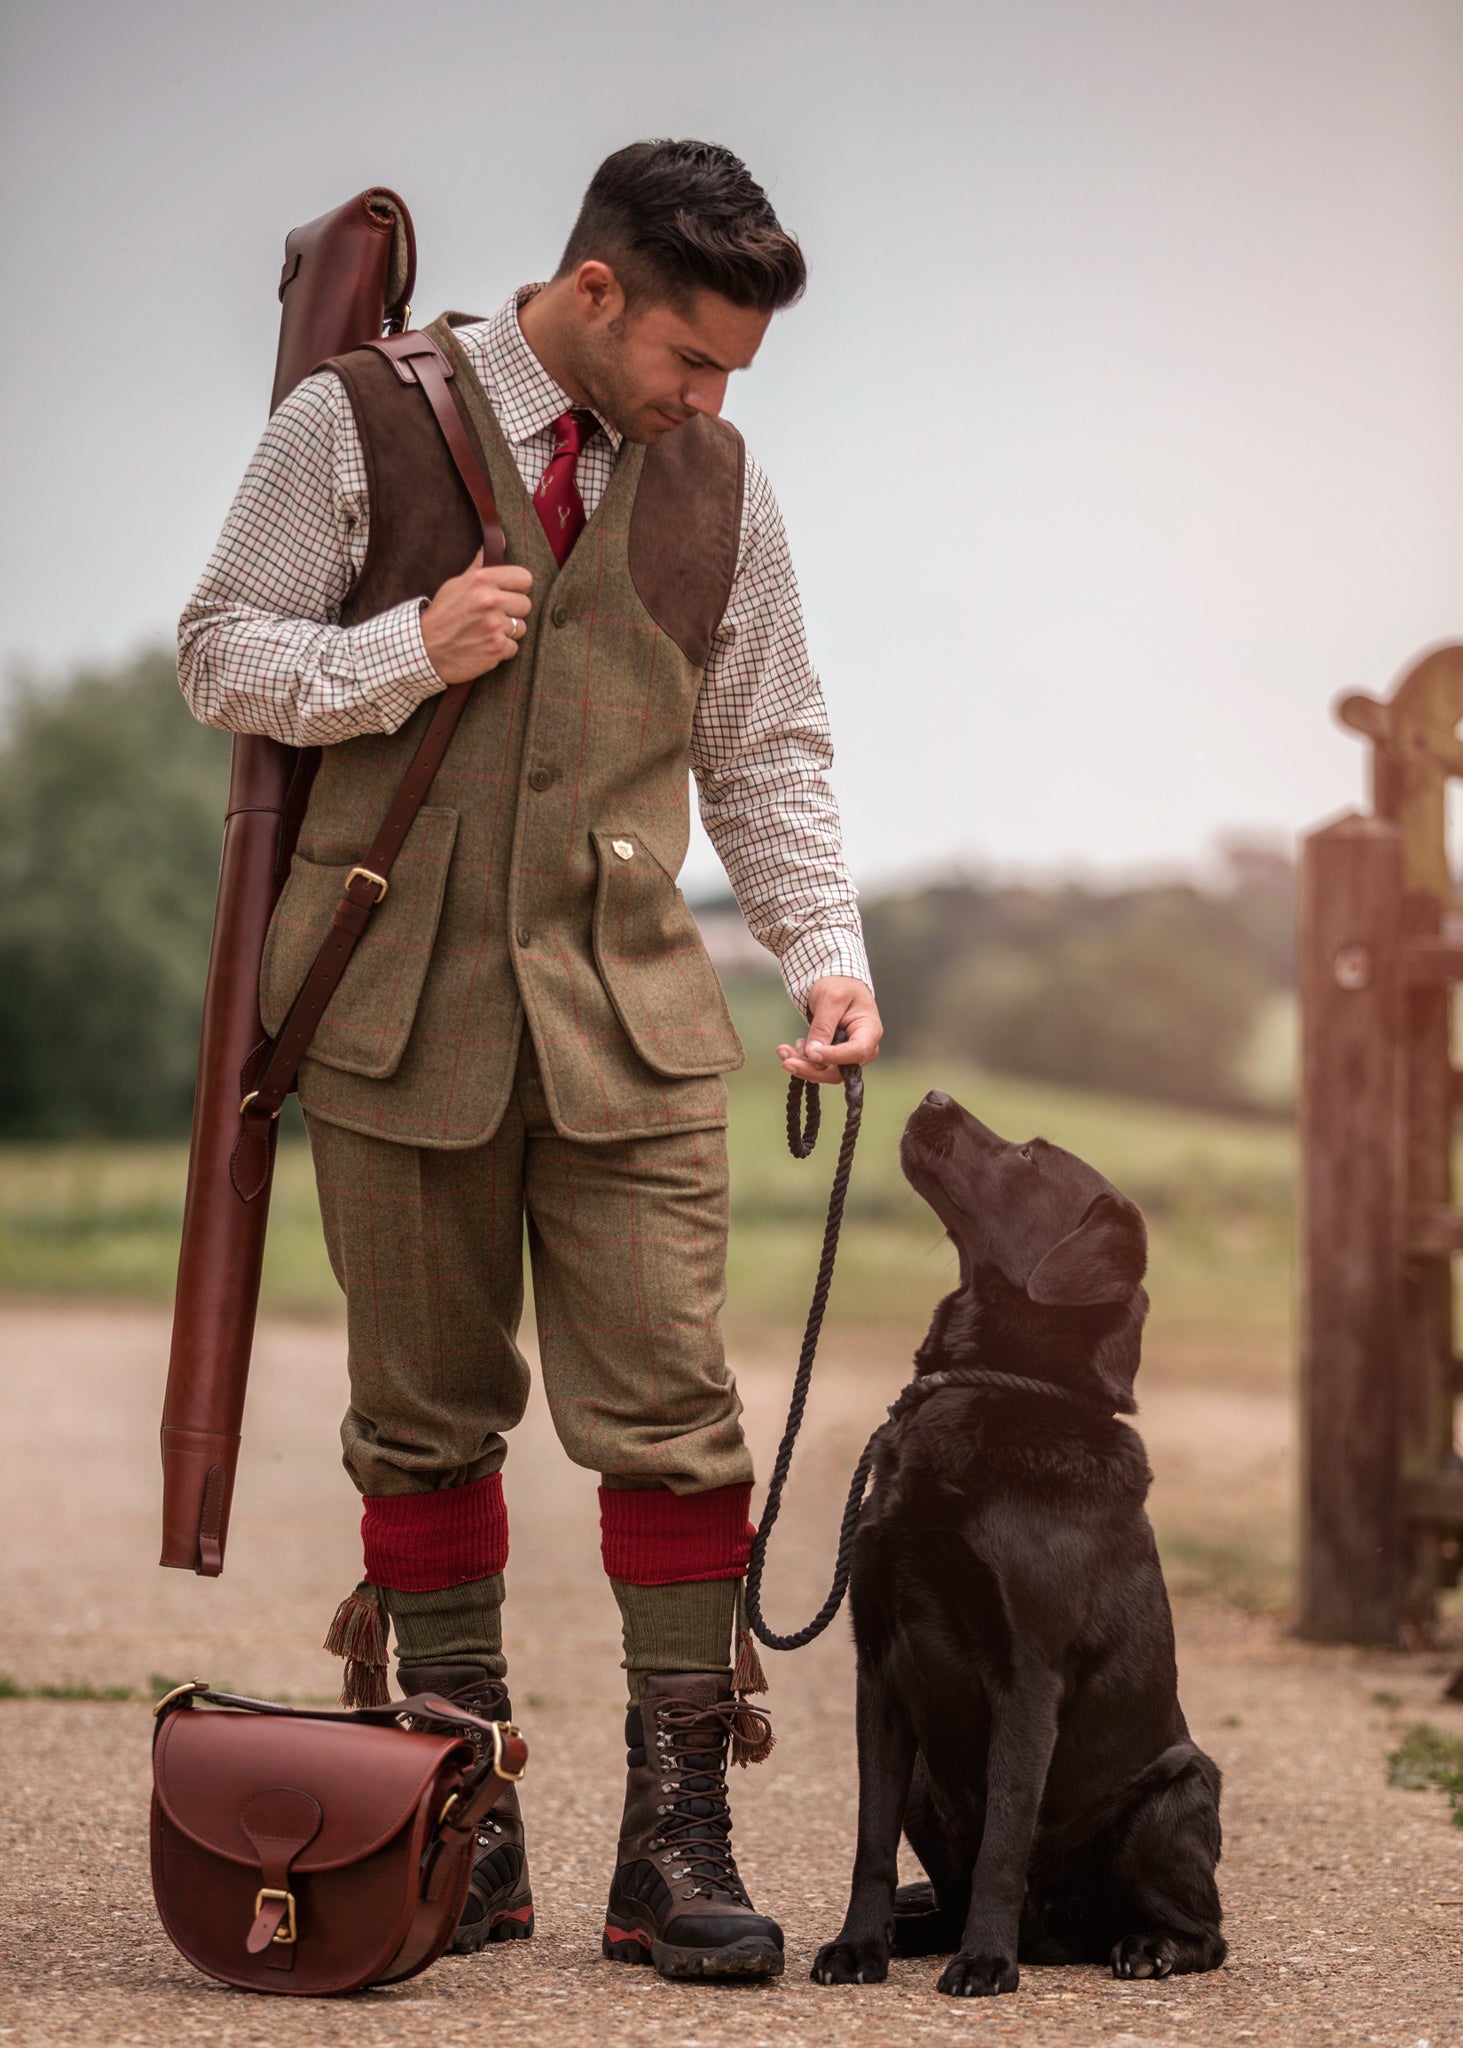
(1117, 434)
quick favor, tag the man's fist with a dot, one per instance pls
(835, 999)
(476, 620)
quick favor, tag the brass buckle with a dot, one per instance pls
(285, 1934)
(499, 1727)
(193, 1685)
(380, 880)
(250, 1097)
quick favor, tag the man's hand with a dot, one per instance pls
(836, 999)
(474, 621)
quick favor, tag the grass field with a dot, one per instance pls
(84, 1219)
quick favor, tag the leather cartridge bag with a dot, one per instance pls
(306, 1853)
(347, 277)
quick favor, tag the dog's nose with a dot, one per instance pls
(937, 1099)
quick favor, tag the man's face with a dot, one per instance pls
(651, 368)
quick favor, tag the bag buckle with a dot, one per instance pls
(285, 1933)
(500, 1728)
(369, 875)
(193, 1685)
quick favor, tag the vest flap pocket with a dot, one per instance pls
(366, 1027)
(653, 964)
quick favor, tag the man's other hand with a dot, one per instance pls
(476, 620)
(836, 999)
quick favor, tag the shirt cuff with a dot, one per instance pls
(814, 954)
(389, 660)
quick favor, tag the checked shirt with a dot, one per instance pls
(261, 649)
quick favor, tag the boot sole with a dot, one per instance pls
(755, 1956)
(513, 1924)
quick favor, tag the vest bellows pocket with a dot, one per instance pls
(368, 1023)
(652, 961)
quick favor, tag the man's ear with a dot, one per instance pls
(1102, 1260)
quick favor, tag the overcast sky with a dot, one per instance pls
(1120, 430)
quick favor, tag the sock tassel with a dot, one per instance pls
(752, 1736)
(358, 1633)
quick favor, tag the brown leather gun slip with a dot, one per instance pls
(347, 279)
(310, 1852)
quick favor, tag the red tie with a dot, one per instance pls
(560, 506)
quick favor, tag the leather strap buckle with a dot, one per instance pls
(285, 1934)
(368, 875)
(253, 1093)
(193, 1685)
(500, 1729)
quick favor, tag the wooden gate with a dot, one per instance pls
(1381, 946)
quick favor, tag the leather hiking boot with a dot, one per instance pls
(676, 1899)
(499, 1904)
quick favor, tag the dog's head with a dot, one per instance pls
(1052, 1256)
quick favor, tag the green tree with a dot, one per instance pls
(1153, 991)
(1147, 1004)
(111, 813)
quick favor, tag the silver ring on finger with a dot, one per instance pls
(519, 629)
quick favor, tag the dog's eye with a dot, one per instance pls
(1028, 1152)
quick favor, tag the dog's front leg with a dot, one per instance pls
(886, 1750)
(1023, 1735)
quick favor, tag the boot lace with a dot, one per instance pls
(694, 1819)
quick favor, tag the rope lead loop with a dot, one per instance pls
(802, 1135)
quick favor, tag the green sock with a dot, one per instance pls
(685, 1627)
(457, 1625)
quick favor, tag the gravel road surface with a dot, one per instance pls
(1344, 1898)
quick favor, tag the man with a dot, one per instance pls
(531, 1030)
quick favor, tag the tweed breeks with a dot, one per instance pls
(627, 1243)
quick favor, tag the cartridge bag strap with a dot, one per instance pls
(271, 1069)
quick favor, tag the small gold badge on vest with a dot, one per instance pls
(623, 848)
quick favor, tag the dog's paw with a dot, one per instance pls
(851, 1962)
(979, 1976)
(1144, 1955)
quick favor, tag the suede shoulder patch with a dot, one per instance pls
(685, 530)
(423, 527)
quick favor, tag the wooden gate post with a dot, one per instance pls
(1353, 1200)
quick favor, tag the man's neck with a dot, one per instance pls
(542, 323)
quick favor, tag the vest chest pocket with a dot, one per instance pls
(368, 1023)
(653, 964)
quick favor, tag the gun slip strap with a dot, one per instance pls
(270, 1071)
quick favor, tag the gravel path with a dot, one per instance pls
(1344, 1898)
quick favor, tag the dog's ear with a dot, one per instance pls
(1102, 1260)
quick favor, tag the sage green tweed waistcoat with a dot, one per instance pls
(538, 880)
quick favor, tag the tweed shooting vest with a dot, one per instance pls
(539, 877)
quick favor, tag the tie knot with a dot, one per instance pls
(572, 430)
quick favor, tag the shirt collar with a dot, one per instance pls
(525, 397)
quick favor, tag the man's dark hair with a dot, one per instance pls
(674, 218)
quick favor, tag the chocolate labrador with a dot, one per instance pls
(1018, 1712)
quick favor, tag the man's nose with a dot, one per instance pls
(707, 394)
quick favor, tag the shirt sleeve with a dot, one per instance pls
(761, 750)
(260, 646)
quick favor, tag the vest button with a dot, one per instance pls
(541, 778)
(560, 615)
(525, 936)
